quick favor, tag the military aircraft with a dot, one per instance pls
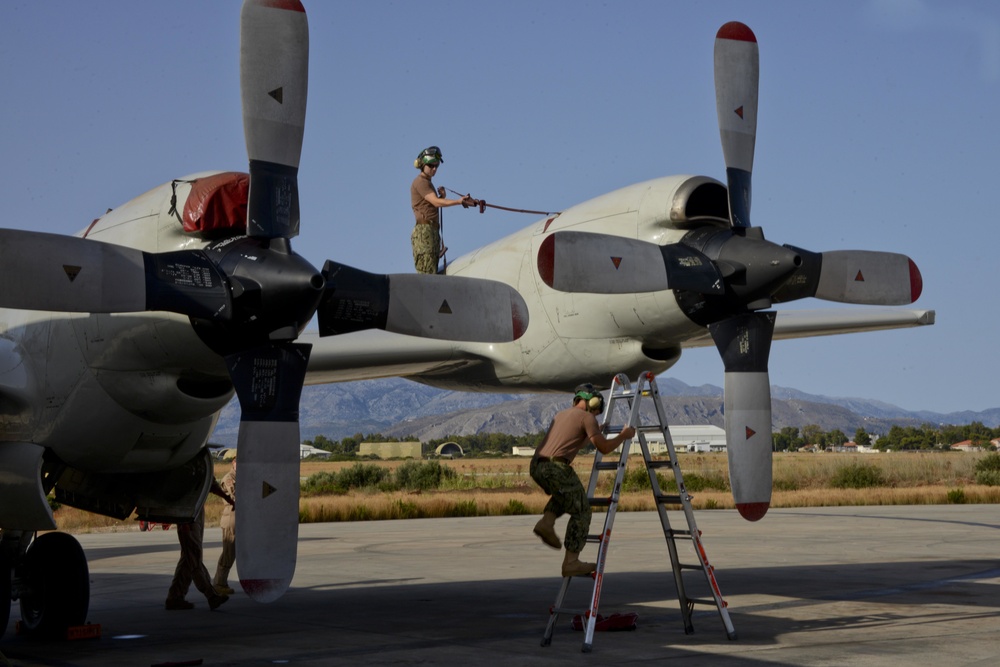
(119, 346)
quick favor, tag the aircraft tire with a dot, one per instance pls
(58, 586)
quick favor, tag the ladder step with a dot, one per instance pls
(660, 463)
(683, 534)
(600, 502)
(685, 566)
(649, 428)
(704, 601)
(668, 499)
(607, 465)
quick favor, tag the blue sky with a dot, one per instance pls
(876, 131)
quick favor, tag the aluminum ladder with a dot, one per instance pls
(621, 390)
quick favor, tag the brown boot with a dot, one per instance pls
(574, 567)
(546, 530)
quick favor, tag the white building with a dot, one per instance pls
(701, 438)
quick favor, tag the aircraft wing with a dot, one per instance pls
(366, 355)
(829, 322)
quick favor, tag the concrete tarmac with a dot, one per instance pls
(894, 586)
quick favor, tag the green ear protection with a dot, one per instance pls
(595, 401)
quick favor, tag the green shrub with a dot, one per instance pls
(463, 508)
(711, 504)
(988, 470)
(784, 484)
(422, 476)
(322, 483)
(362, 476)
(957, 497)
(636, 479)
(406, 510)
(858, 476)
(696, 483)
(516, 507)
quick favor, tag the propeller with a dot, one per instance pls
(723, 278)
(250, 297)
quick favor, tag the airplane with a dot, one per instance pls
(120, 346)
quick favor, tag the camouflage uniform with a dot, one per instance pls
(559, 480)
(426, 242)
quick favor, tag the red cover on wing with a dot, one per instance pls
(217, 204)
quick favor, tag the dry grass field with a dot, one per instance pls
(483, 487)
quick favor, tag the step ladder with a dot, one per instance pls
(624, 396)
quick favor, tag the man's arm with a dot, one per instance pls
(606, 446)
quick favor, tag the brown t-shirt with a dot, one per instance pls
(423, 210)
(570, 431)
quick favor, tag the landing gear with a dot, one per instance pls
(54, 586)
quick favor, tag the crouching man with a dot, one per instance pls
(552, 470)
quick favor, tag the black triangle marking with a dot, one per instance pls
(445, 308)
(267, 490)
(71, 271)
(277, 94)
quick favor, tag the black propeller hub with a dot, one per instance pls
(275, 293)
(752, 270)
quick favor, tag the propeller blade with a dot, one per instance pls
(268, 383)
(737, 73)
(854, 276)
(429, 306)
(274, 72)
(606, 264)
(744, 342)
(69, 274)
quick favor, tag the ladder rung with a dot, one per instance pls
(607, 465)
(649, 428)
(686, 566)
(600, 502)
(686, 534)
(668, 500)
(711, 603)
(661, 463)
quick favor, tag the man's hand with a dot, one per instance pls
(628, 432)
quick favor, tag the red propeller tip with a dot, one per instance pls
(753, 511)
(916, 282)
(291, 5)
(736, 30)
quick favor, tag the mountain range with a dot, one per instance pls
(401, 408)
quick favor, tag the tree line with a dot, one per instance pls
(789, 438)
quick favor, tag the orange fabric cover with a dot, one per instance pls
(217, 204)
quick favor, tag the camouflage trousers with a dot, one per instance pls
(426, 242)
(568, 497)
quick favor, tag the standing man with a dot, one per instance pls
(552, 469)
(228, 525)
(425, 201)
(190, 566)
